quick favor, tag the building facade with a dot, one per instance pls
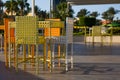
(54, 4)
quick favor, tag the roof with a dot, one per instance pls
(89, 2)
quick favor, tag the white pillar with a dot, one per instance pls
(33, 6)
(51, 9)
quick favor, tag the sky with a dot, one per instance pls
(99, 8)
(45, 5)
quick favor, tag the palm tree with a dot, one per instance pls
(94, 14)
(11, 6)
(20, 7)
(62, 11)
(37, 10)
(41, 14)
(24, 7)
(83, 13)
(109, 14)
(105, 15)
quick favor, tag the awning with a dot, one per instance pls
(89, 2)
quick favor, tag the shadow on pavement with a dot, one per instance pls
(11, 74)
(94, 69)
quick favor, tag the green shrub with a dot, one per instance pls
(78, 33)
(115, 31)
(87, 21)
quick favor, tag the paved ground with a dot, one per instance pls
(86, 67)
(84, 71)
